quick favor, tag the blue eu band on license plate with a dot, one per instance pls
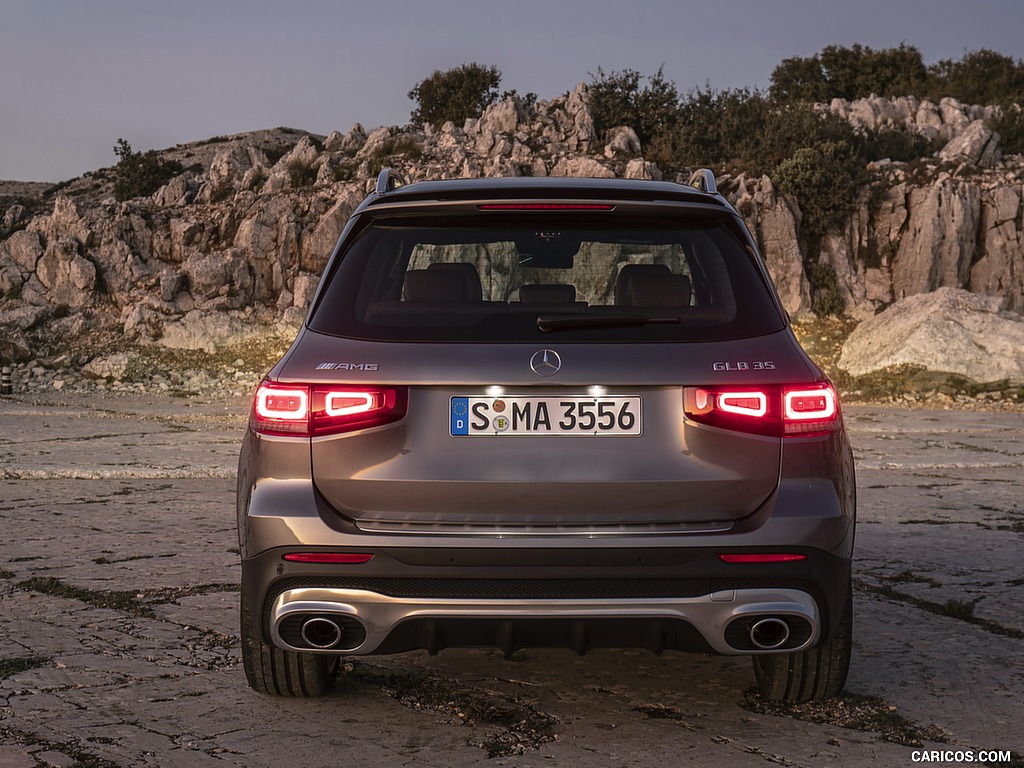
(545, 416)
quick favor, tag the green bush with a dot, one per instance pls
(825, 178)
(617, 99)
(454, 94)
(980, 77)
(825, 296)
(301, 174)
(1010, 127)
(138, 174)
(402, 146)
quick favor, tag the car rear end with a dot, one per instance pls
(535, 413)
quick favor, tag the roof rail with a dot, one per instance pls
(704, 180)
(388, 181)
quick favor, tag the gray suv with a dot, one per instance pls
(542, 412)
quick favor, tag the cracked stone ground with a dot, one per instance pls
(119, 646)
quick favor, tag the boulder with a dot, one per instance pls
(24, 247)
(581, 167)
(108, 366)
(577, 107)
(642, 169)
(977, 145)
(502, 117)
(69, 279)
(622, 141)
(210, 331)
(949, 330)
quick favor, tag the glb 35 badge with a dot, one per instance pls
(757, 365)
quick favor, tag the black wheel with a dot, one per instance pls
(816, 674)
(283, 673)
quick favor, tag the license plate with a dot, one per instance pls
(545, 416)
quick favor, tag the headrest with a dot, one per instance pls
(547, 294)
(444, 286)
(659, 291)
(474, 292)
(632, 272)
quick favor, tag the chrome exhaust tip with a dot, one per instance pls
(320, 632)
(769, 634)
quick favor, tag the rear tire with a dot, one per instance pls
(816, 674)
(276, 672)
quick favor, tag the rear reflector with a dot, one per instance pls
(546, 207)
(763, 557)
(309, 410)
(327, 557)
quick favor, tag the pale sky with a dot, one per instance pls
(75, 75)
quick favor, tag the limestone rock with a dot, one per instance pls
(773, 219)
(582, 167)
(177, 191)
(303, 289)
(642, 169)
(928, 120)
(25, 318)
(108, 367)
(1000, 269)
(954, 119)
(622, 142)
(949, 330)
(228, 168)
(65, 222)
(937, 243)
(14, 347)
(977, 145)
(210, 331)
(25, 249)
(171, 283)
(577, 107)
(11, 275)
(502, 116)
(375, 141)
(68, 278)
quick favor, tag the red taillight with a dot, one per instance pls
(810, 410)
(753, 404)
(309, 410)
(335, 558)
(791, 411)
(281, 410)
(762, 557)
(751, 409)
(546, 207)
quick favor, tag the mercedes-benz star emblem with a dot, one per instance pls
(546, 362)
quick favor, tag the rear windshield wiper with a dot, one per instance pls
(548, 323)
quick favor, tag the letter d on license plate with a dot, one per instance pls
(545, 416)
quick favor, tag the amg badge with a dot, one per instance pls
(348, 367)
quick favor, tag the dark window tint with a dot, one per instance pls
(527, 279)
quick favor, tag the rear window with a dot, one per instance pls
(527, 279)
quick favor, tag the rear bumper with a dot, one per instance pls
(369, 622)
(682, 598)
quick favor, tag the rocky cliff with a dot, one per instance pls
(235, 243)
